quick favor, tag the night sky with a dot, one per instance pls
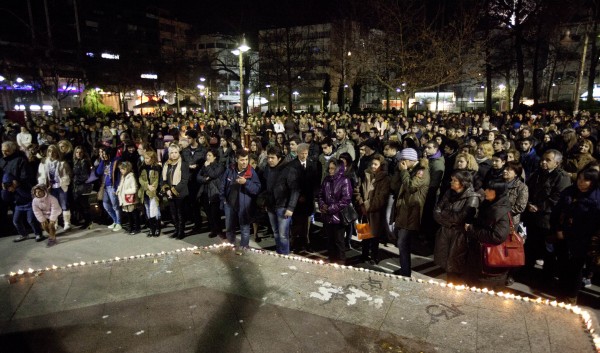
(235, 16)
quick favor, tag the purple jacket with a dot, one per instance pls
(336, 193)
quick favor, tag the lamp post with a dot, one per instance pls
(240, 52)
(296, 94)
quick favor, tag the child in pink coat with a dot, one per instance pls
(46, 209)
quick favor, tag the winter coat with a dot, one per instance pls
(81, 173)
(226, 158)
(347, 146)
(246, 193)
(46, 208)
(179, 189)
(309, 178)
(544, 192)
(16, 164)
(63, 173)
(491, 226)
(576, 163)
(282, 184)
(209, 179)
(577, 215)
(149, 175)
(518, 195)
(413, 186)
(336, 194)
(127, 186)
(452, 212)
(373, 193)
(530, 162)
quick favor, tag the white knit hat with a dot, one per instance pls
(409, 154)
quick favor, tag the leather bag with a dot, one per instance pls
(364, 231)
(349, 214)
(511, 253)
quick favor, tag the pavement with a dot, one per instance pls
(104, 291)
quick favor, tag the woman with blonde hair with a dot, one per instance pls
(55, 173)
(577, 161)
(148, 193)
(175, 175)
(466, 161)
(483, 156)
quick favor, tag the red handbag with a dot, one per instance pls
(511, 253)
(130, 198)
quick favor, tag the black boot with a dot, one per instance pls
(135, 222)
(157, 227)
(151, 227)
(126, 222)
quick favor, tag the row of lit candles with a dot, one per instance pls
(585, 315)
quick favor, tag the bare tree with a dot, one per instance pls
(287, 58)
(423, 51)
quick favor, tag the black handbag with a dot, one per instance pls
(349, 214)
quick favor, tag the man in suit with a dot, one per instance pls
(310, 177)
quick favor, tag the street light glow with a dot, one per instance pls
(2, 78)
(202, 79)
(501, 86)
(19, 80)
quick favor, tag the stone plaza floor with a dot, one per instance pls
(211, 300)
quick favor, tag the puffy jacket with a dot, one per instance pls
(452, 212)
(63, 173)
(209, 179)
(336, 194)
(413, 186)
(46, 207)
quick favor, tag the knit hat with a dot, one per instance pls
(409, 154)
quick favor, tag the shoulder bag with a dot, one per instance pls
(511, 253)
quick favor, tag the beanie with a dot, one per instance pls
(409, 154)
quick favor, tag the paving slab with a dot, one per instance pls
(212, 300)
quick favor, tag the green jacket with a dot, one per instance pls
(413, 186)
(149, 176)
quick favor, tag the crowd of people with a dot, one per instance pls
(453, 181)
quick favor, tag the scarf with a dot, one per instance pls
(175, 177)
(438, 154)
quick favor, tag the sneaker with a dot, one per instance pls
(21, 238)
(587, 282)
(112, 226)
(67, 227)
(51, 243)
(39, 238)
(117, 228)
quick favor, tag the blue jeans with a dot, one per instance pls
(26, 212)
(404, 236)
(232, 217)
(111, 204)
(61, 196)
(281, 230)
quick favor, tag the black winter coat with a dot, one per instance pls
(282, 183)
(452, 212)
(491, 226)
(209, 179)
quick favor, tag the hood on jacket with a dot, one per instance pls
(41, 187)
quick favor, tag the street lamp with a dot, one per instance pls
(296, 94)
(239, 52)
(268, 97)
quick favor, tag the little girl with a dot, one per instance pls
(127, 194)
(46, 209)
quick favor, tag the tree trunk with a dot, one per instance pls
(488, 85)
(593, 65)
(356, 93)
(520, 69)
